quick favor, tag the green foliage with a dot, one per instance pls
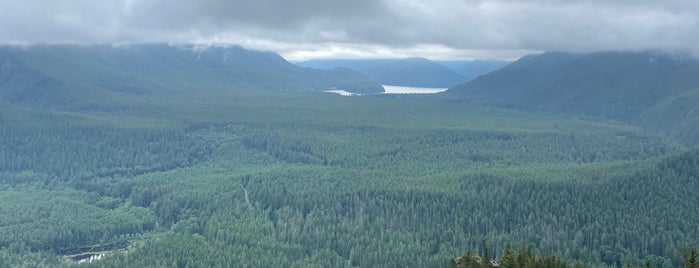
(316, 180)
(60, 219)
(522, 258)
(691, 259)
(86, 151)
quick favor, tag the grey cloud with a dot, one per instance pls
(55, 21)
(364, 27)
(261, 18)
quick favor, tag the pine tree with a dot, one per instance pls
(509, 260)
(690, 260)
(524, 256)
(485, 261)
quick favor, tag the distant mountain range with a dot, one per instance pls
(652, 89)
(47, 75)
(414, 72)
(470, 69)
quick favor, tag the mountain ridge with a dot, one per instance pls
(633, 87)
(412, 72)
(45, 75)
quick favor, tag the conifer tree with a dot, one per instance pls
(508, 259)
(690, 260)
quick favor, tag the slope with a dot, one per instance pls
(413, 72)
(360, 65)
(470, 69)
(46, 75)
(637, 87)
(416, 72)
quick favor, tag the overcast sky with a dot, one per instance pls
(437, 29)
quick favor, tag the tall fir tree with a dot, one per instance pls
(508, 259)
(691, 259)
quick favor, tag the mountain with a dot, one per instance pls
(413, 72)
(45, 75)
(656, 90)
(470, 69)
(361, 65)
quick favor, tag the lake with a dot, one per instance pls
(396, 90)
(412, 90)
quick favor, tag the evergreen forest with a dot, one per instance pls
(312, 179)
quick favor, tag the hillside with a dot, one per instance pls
(360, 65)
(46, 75)
(470, 69)
(415, 72)
(412, 72)
(647, 88)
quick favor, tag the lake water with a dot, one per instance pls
(341, 92)
(412, 90)
(396, 90)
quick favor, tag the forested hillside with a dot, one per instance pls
(315, 179)
(652, 89)
(66, 75)
(470, 69)
(412, 72)
(524, 257)
(416, 72)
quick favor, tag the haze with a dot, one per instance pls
(444, 29)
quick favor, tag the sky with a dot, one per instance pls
(298, 30)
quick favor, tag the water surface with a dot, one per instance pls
(395, 90)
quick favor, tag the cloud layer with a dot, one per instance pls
(364, 28)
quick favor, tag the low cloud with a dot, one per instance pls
(364, 28)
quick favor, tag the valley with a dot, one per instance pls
(378, 133)
(295, 175)
(219, 178)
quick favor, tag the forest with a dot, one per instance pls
(275, 179)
